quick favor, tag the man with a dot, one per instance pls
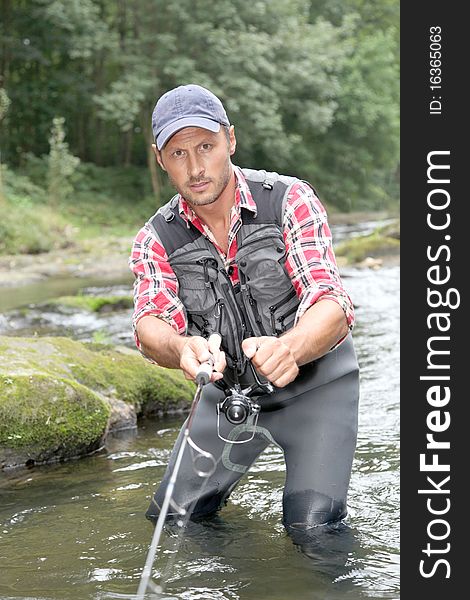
(246, 254)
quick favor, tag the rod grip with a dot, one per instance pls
(203, 376)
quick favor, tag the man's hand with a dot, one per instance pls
(198, 350)
(272, 358)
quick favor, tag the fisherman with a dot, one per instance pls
(248, 255)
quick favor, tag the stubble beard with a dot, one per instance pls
(220, 185)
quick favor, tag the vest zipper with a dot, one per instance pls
(283, 300)
(186, 258)
(274, 307)
(260, 238)
(235, 310)
(254, 309)
(282, 318)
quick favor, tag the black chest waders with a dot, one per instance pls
(313, 419)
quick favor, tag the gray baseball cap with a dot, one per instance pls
(186, 106)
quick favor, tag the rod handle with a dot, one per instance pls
(203, 376)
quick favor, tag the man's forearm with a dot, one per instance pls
(160, 341)
(317, 331)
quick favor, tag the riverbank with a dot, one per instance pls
(107, 256)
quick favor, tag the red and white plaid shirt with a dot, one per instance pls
(310, 261)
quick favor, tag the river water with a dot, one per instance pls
(76, 530)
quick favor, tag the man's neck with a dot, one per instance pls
(217, 214)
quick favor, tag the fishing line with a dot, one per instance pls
(181, 524)
(202, 378)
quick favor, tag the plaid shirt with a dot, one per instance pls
(310, 261)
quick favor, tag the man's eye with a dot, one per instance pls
(178, 154)
(206, 147)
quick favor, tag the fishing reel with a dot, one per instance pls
(239, 410)
(242, 410)
(237, 407)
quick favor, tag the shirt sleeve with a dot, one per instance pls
(155, 285)
(311, 261)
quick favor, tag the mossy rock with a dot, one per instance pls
(384, 241)
(44, 418)
(390, 230)
(99, 304)
(56, 394)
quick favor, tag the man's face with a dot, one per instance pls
(198, 163)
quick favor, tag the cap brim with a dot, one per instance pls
(171, 129)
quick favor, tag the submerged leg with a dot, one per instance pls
(319, 440)
(232, 461)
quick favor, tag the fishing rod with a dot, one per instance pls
(203, 377)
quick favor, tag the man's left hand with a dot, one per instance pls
(272, 358)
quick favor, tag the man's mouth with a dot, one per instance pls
(200, 186)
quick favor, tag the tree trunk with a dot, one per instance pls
(5, 54)
(81, 136)
(128, 139)
(97, 122)
(151, 162)
(122, 24)
(2, 197)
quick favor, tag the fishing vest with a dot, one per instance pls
(264, 303)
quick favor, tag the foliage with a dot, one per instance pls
(4, 103)
(28, 225)
(311, 85)
(61, 164)
(106, 200)
(357, 157)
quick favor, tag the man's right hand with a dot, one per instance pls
(197, 351)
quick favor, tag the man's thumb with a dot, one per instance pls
(250, 346)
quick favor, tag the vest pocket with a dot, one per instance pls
(196, 290)
(271, 296)
(283, 312)
(260, 260)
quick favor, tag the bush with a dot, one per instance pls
(106, 201)
(23, 231)
(28, 226)
(62, 163)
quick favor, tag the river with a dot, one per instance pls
(76, 530)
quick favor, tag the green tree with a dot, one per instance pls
(61, 164)
(358, 156)
(53, 56)
(263, 59)
(311, 85)
(4, 104)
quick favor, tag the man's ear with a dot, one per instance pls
(158, 156)
(233, 140)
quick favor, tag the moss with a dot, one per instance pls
(113, 373)
(383, 241)
(391, 230)
(55, 395)
(132, 379)
(46, 414)
(94, 303)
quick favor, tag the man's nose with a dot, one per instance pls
(195, 167)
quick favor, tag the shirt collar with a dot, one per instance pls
(243, 198)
